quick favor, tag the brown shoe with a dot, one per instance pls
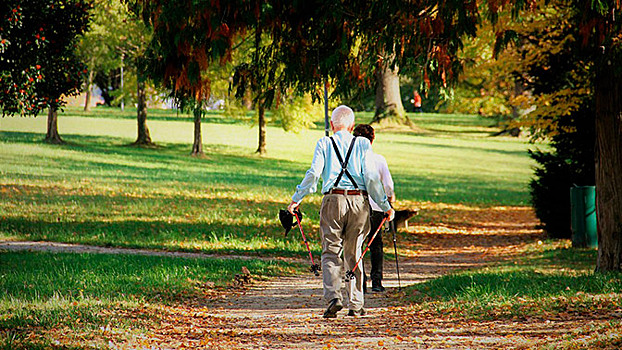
(333, 307)
(359, 312)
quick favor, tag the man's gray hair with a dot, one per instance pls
(342, 116)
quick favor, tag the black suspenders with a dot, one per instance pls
(344, 163)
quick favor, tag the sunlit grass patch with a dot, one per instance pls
(97, 190)
(546, 282)
(79, 296)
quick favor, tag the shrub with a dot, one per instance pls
(570, 163)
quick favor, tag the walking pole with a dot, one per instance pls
(315, 268)
(397, 265)
(350, 273)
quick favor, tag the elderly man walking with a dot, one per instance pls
(349, 175)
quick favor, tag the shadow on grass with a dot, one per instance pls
(460, 149)
(107, 157)
(537, 275)
(214, 238)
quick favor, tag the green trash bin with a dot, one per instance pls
(583, 216)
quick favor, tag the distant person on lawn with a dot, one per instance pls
(345, 164)
(367, 131)
(416, 101)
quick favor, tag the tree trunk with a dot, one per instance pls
(608, 97)
(247, 99)
(197, 147)
(89, 86)
(261, 119)
(259, 103)
(389, 106)
(52, 135)
(144, 138)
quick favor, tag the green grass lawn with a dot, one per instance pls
(549, 281)
(98, 190)
(79, 296)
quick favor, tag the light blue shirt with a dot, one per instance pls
(326, 165)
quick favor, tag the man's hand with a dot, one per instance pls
(292, 206)
(391, 213)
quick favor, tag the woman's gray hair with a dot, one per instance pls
(342, 116)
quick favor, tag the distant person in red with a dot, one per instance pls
(417, 102)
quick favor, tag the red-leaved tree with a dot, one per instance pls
(38, 65)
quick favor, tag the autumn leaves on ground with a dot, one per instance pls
(152, 240)
(286, 313)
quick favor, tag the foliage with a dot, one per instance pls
(99, 45)
(541, 83)
(486, 83)
(115, 39)
(557, 76)
(298, 112)
(556, 70)
(570, 163)
(314, 42)
(531, 71)
(37, 62)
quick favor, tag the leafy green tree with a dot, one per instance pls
(310, 44)
(597, 60)
(98, 45)
(38, 64)
(188, 37)
(487, 83)
(117, 40)
(255, 75)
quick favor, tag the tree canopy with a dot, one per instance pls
(38, 63)
(314, 41)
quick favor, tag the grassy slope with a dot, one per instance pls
(105, 192)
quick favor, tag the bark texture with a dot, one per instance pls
(261, 119)
(89, 87)
(197, 147)
(143, 138)
(608, 95)
(52, 135)
(388, 98)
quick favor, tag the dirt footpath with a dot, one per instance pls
(286, 313)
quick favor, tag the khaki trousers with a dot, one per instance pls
(344, 223)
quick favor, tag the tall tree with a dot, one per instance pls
(601, 27)
(117, 39)
(98, 45)
(600, 32)
(314, 41)
(38, 64)
(188, 37)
